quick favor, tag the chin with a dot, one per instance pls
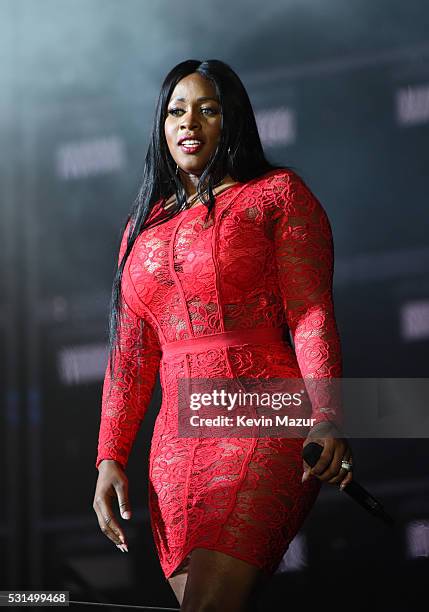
(192, 169)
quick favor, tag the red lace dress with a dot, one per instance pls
(207, 299)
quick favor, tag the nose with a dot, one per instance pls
(189, 120)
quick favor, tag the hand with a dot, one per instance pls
(335, 450)
(112, 483)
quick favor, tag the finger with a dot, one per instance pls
(339, 472)
(349, 475)
(123, 501)
(104, 521)
(334, 466)
(347, 480)
(325, 458)
(107, 522)
(344, 473)
(305, 471)
(112, 531)
(306, 468)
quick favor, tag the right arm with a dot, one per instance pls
(126, 396)
(125, 399)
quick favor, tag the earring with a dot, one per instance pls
(229, 150)
(177, 168)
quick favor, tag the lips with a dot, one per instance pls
(190, 145)
(189, 137)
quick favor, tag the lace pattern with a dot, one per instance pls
(263, 259)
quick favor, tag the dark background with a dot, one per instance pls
(341, 93)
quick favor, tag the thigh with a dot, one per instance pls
(218, 581)
(178, 584)
(179, 577)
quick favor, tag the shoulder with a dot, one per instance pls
(283, 183)
(278, 185)
(124, 240)
(288, 192)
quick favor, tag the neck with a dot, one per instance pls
(192, 197)
(190, 182)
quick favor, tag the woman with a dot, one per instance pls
(221, 252)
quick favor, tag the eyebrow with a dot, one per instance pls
(198, 99)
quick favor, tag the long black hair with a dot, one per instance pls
(239, 153)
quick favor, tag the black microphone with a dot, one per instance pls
(311, 453)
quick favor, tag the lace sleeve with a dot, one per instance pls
(127, 394)
(305, 260)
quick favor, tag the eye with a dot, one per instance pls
(173, 111)
(212, 111)
(205, 110)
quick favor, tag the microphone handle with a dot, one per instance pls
(367, 501)
(311, 453)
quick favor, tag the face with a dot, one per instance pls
(193, 112)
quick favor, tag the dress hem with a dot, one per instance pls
(219, 548)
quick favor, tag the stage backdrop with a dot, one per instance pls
(341, 93)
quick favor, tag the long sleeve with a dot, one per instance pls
(305, 260)
(126, 395)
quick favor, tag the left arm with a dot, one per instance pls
(305, 261)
